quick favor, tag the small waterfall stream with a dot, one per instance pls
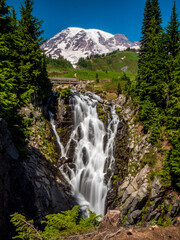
(93, 156)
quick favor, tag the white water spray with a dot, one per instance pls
(92, 156)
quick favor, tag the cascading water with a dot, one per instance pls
(92, 156)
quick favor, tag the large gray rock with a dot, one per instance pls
(176, 208)
(140, 199)
(125, 208)
(30, 187)
(50, 193)
(139, 182)
(133, 217)
(156, 187)
(152, 215)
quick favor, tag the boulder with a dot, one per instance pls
(133, 217)
(110, 221)
(140, 199)
(156, 187)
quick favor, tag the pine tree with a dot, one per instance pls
(172, 36)
(156, 13)
(97, 78)
(119, 90)
(151, 70)
(173, 110)
(172, 39)
(4, 17)
(146, 22)
(145, 31)
(33, 79)
(8, 97)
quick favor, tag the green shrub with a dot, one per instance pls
(171, 167)
(56, 225)
(66, 92)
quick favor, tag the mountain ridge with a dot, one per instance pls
(73, 43)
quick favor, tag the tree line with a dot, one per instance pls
(23, 75)
(157, 87)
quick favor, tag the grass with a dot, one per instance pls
(86, 74)
(114, 62)
(107, 67)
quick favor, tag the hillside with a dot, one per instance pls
(109, 67)
(125, 61)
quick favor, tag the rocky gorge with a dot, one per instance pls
(36, 187)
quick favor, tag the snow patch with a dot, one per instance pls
(74, 42)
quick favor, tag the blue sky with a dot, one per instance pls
(113, 16)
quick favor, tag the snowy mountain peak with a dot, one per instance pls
(73, 43)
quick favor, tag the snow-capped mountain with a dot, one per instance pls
(73, 43)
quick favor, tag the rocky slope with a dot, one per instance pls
(73, 43)
(33, 187)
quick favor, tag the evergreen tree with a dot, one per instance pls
(152, 71)
(146, 23)
(173, 110)
(173, 34)
(8, 97)
(145, 31)
(172, 39)
(33, 80)
(150, 85)
(4, 17)
(97, 78)
(119, 90)
(156, 13)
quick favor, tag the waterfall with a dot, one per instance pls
(93, 155)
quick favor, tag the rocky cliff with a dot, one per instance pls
(32, 187)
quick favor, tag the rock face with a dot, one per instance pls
(73, 43)
(50, 193)
(32, 187)
(140, 200)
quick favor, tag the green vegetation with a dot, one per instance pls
(23, 75)
(56, 226)
(163, 221)
(102, 67)
(115, 62)
(66, 92)
(157, 87)
(61, 63)
(85, 74)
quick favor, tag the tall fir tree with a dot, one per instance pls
(172, 36)
(146, 25)
(8, 97)
(151, 70)
(156, 13)
(172, 46)
(33, 79)
(145, 31)
(150, 66)
(4, 17)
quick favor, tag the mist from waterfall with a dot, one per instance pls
(93, 155)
